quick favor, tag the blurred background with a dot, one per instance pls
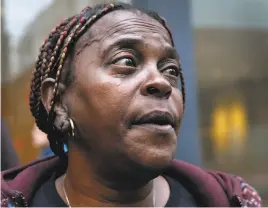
(224, 51)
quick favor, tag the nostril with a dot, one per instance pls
(152, 90)
(168, 94)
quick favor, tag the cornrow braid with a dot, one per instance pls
(182, 88)
(51, 59)
(41, 63)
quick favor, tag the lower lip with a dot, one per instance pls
(156, 128)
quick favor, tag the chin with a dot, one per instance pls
(151, 149)
(156, 159)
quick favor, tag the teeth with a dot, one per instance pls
(162, 120)
(162, 124)
(157, 123)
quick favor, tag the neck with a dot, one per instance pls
(85, 186)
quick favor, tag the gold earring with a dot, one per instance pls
(72, 126)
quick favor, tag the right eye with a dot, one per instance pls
(125, 62)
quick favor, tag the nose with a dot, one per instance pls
(157, 86)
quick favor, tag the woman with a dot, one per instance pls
(105, 83)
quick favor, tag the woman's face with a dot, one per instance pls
(125, 99)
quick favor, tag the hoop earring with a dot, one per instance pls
(72, 127)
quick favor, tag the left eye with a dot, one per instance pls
(172, 71)
(126, 62)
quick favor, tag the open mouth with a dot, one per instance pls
(157, 118)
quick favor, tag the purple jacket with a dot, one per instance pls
(209, 188)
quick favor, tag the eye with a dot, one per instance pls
(125, 62)
(172, 71)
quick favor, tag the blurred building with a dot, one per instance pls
(231, 40)
(4, 44)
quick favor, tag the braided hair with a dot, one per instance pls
(52, 57)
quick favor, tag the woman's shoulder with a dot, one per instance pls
(214, 188)
(210, 188)
(18, 184)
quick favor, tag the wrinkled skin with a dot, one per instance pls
(125, 67)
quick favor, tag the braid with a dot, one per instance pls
(183, 88)
(41, 64)
(50, 61)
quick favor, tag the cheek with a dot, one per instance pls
(100, 106)
(179, 101)
(176, 98)
(177, 105)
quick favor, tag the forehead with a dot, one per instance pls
(121, 24)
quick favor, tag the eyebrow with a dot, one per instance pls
(172, 53)
(130, 42)
(124, 42)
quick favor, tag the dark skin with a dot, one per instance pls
(126, 70)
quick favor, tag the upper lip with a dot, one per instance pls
(155, 117)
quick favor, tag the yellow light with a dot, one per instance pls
(220, 128)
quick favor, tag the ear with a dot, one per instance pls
(61, 121)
